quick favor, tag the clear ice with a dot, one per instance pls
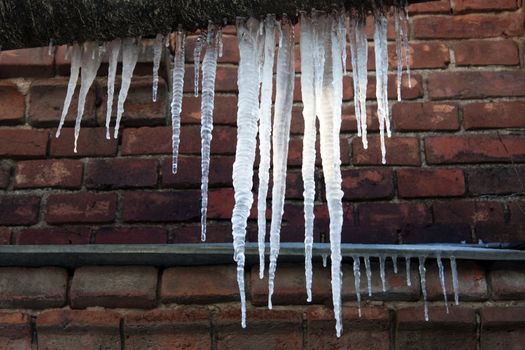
(114, 50)
(176, 99)
(76, 57)
(157, 54)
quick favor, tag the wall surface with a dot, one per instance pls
(455, 172)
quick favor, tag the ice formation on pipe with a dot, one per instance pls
(455, 282)
(114, 50)
(408, 271)
(423, 280)
(76, 56)
(176, 98)
(157, 53)
(357, 282)
(441, 269)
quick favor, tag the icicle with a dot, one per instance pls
(382, 272)
(114, 49)
(359, 52)
(67, 53)
(408, 271)
(355, 76)
(157, 53)
(381, 59)
(209, 68)
(130, 55)
(357, 282)
(368, 275)
(196, 62)
(399, 48)
(247, 113)
(442, 280)
(455, 282)
(337, 80)
(422, 276)
(220, 42)
(394, 263)
(265, 131)
(341, 33)
(89, 73)
(176, 100)
(325, 259)
(405, 28)
(76, 56)
(50, 47)
(282, 118)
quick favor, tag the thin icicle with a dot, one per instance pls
(247, 114)
(325, 259)
(368, 275)
(405, 28)
(341, 33)
(394, 263)
(176, 100)
(442, 280)
(355, 75)
(399, 48)
(157, 54)
(196, 62)
(382, 261)
(357, 282)
(114, 50)
(220, 43)
(265, 132)
(282, 118)
(361, 73)
(130, 55)
(76, 57)
(455, 282)
(89, 73)
(408, 271)
(422, 277)
(51, 47)
(209, 68)
(381, 60)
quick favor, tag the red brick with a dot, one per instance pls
(131, 235)
(147, 140)
(502, 327)
(414, 183)
(19, 210)
(15, 331)
(215, 233)
(139, 108)
(436, 233)
(199, 284)
(407, 93)
(5, 174)
(295, 152)
(490, 115)
(349, 122)
(221, 202)
(179, 328)
(367, 184)
(471, 212)
(12, 103)
(506, 279)
(32, 62)
(369, 235)
(161, 206)
(48, 173)
(81, 208)
(5, 236)
(46, 102)
(477, 84)
(33, 288)
(467, 26)
(121, 173)
(114, 287)
(399, 151)
(500, 233)
(472, 281)
(461, 6)
(67, 329)
(92, 142)
(475, 149)
(440, 6)
(391, 214)
(23, 143)
(225, 80)
(484, 52)
(454, 330)
(423, 55)
(223, 141)
(495, 180)
(54, 235)
(189, 170)
(359, 332)
(224, 112)
(517, 212)
(425, 116)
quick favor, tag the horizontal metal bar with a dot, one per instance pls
(222, 253)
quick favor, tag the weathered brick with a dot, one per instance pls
(5, 174)
(454, 330)
(81, 207)
(121, 173)
(423, 55)
(391, 214)
(15, 331)
(369, 234)
(517, 212)
(475, 149)
(495, 180)
(224, 111)
(506, 280)
(114, 287)
(477, 84)
(215, 233)
(159, 141)
(161, 206)
(131, 235)
(221, 202)
(436, 233)
(440, 6)
(31, 62)
(32, 288)
(461, 6)
(359, 332)
(5, 235)
(12, 103)
(92, 142)
(491, 232)
(48, 173)
(414, 183)
(425, 116)
(54, 235)
(467, 26)
(23, 143)
(174, 328)
(19, 210)
(46, 102)
(367, 184)
(488, 115)
(188, 168)
(400, 151)
(502, 327)
(199, 284)
(225, 79)
(471, 212)
(407, 92)
(485, 52)
(223, 141)
(69, 329)
(295, 152)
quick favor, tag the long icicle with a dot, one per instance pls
(157, 54)
(405, 28)
(455, 282)
(399, 48)
(176, 100)
(76, 56)
(282, 118)
(114, 50)
(362, 73)
(355, 74)
(209, 69)
(265, 132)
(423, 280)
(357, 282)
(201, 39)
(247, 114)
(441, 270)
(368, 271)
